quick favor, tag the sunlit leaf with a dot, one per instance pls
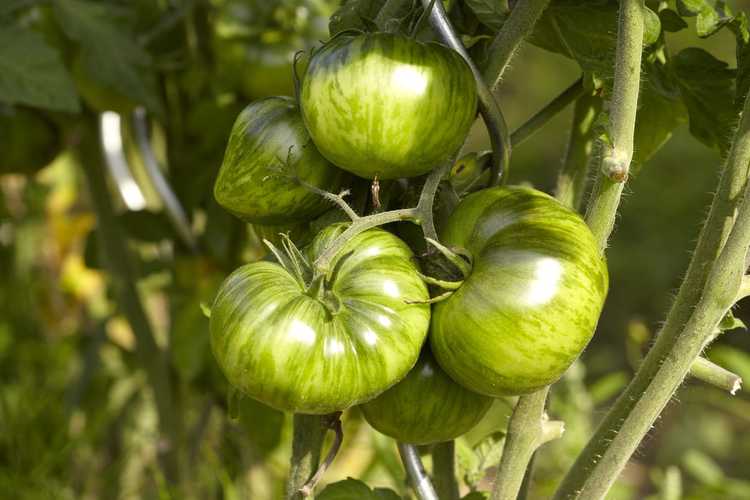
(32, 73)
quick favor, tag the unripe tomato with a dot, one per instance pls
(533, 297)
(318, 347)
(253, 182)
(426, 407)
(386, 105)
(28, 141)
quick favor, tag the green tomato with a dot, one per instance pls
(532, 299)
(324, 346)
(28, 141)
(426, 407)
(268, 143)
(386, 105)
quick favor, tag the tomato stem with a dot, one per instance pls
(488, 107)
(309, 431)
(549, 111)
(419, 479)
(579, 158)
(334, 423)
(444, 470)
(421, 214)
(711, 285)
(618, 152)
(713, 374)
(516, 28)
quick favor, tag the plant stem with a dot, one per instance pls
(571, 184)
(488, 107)
(533, 124)
(421, 214)
(335, 424)
(419, 479)
(444, 470)
(713, 374)
(528, 429)
(518, 26)
(689, 323)
(119, 262)
(617, 156)
(309, 431)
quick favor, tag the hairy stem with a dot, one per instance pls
(119, 262)
(617, 156)
(715, 375)
(689, 324)
(488, 107)
(517, 27)
(444, 470)
(309, 431)
(548, 112)
(418, 478)
(571, 184)
(528, 429)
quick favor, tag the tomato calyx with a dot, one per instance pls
(450, 265)
(314, 284)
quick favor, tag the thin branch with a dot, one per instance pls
(579, 155)
(309, 431)
(602, 209)
(713, 374)
(444, 470)
(517, 27)
(419, 479)
(528, 429)
(710, 287)
(488, 107)
(335, 424)
(536, 122)
(338, 199)
(120, 264)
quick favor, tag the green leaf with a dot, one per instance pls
(710, 20)
(730, 322)
(110, 55)
(33, 73)
(660, 111)
(690, 8)
(491, 13)
(474, 462)
(671, 21)
(708, 91)
(586, 31)
(355, 14)
(351, 488)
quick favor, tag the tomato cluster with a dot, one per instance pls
(361, 330)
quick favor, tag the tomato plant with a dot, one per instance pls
(268, 141)
(426, 407)
(375, 104)
(28, 140)
(533, 296)
(327, 344)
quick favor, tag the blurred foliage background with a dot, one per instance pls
(78, 417)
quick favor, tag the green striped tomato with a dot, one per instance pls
(533, 297)
(317, 350)
(385, 105)
(251, 184)
(426, 407)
